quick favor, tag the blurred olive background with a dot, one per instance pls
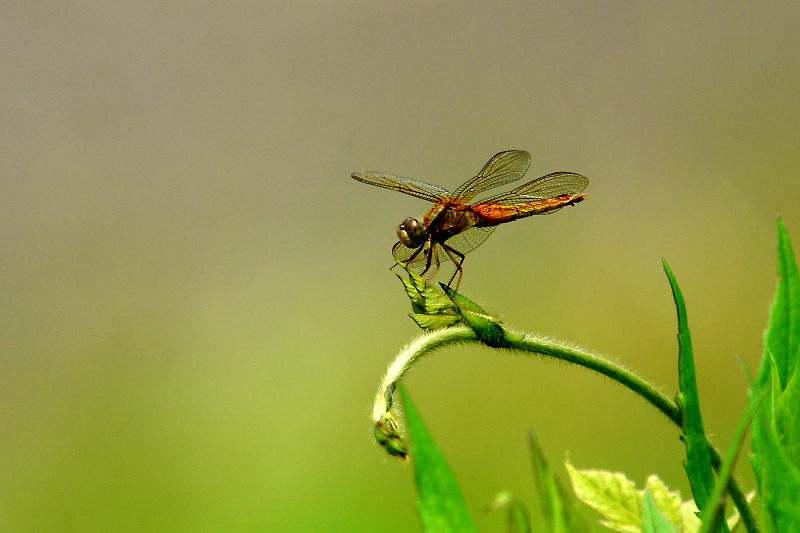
(196, 308)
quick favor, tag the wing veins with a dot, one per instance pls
(419, 189)
(503, 168)
(548, 186)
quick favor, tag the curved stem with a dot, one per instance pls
(387, 430)
(646, 391)
(612, 370)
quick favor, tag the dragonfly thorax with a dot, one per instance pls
(411, 232)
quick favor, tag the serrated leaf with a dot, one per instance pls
(775, 438)
(435, 321)
(413, 291)
(653, 521)
(765, 415)
(783, 344)
(698, 458)
(779, 483)
(690, 522)
(462, 301)
(561, 511)
(441, 505)
(425, 298)
(668, 502)
(782, 338)
(612, 495)
(787, 419)
(488, 329)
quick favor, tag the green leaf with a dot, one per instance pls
(441, 505)
(617, 499)
(698, 458)
(714, 510)
(787, 419)
(487, 328)
(690, 522)
(519, 520)
(612, 495)
(776, 425)
(561, 510)
(668, 502)
(779, 479)
(436, 309)
(425, 298)
(782, 339)
(429, 322)
(783, 346)
(652, 519)
(462, 301)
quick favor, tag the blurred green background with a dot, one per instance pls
(196, 308)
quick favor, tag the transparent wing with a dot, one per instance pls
(420, 189)
(554, 184)
(403, 253)
(468, 240)
(464, 242)
(416, 258)
(503, 168)
(549, 186)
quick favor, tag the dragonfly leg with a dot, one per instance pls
(428, 256)
(428, 250)
(434, 253)
(452, 253)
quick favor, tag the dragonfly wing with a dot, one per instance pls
(416, 258)
(420, 189)
(503, 168)
(538, 197)
(468, 240)
(554, 184)
(549, 186)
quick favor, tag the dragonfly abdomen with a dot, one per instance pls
(498, 213)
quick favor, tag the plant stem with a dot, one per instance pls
(643, 389)
(603, 366)
(387, 428)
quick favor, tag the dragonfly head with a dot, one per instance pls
(411, 232)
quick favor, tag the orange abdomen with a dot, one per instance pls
(497, 213)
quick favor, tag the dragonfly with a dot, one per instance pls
(453, 227)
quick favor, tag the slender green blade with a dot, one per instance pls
(716, 505)
(652, 519)
(441, 505)
(561, 509)
(698, 458)
(519, 519)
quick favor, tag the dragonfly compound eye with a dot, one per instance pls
(411, 232)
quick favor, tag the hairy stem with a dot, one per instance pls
(387, 430)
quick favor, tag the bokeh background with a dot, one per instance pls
(195, 306)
